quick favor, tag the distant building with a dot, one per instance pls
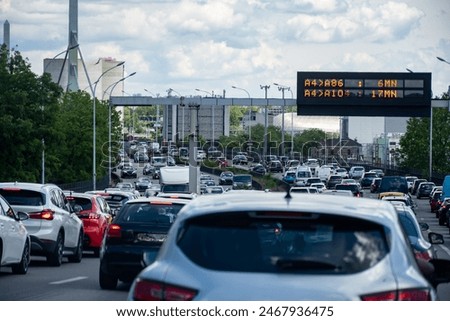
(58, 69)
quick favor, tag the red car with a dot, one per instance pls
(435, 202)
(95, 213)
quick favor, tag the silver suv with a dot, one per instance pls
(55, 230)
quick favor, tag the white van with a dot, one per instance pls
(302, 173)
(324, 171)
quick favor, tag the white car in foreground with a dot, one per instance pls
(55, 229)
(254, 245)
(15, 242)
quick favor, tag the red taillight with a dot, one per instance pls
(114, 230)
(94, 216)
(402, 295)
(145, 290)
(425, 255)
(43, 215)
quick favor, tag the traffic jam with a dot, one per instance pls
(324, 232)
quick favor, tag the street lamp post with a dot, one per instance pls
(266, 119)
(42, 107)
(109, 122)
(94, 147)
(249, 114)
(282, 88)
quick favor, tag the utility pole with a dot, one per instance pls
(282, 89)
(193, 146)
(266, 120)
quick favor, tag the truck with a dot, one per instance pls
(445, 188)
(174, 179)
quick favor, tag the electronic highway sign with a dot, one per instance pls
(364, 94)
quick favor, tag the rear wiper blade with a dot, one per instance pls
(303, 264)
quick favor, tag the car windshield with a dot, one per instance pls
(160, 213)
(17, 196)
(347, 187)
(242, 178)
(281, 242)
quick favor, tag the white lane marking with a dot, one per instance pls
(78, 278)
(446, 249)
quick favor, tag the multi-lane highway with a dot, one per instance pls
(79, 281)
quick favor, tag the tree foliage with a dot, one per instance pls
(28, 111)
(37, 117)
(415, 144)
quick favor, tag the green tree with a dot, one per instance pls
(28, 111)
(415, 144)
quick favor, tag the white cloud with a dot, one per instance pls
(240, 42)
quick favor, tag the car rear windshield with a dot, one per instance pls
(274, 242)
(348, 187)
(159, 213)
(84, 202)
(242, 178)
(23, 197)
(393, 184)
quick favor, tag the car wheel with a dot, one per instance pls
(97, 252)
(55, 258)
(22, 266)
(78, 255)
(107, 282)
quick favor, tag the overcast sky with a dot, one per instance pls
(213, 45)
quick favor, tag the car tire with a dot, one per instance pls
(55, 258)
(78, 255)
(107, 282)
(97, 252)
(441, 220)
(22, 266)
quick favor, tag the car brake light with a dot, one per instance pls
(43, 215)
(423, 255)
(161, 202)
(94, 216)
(402, 295)
(114, 230)
(146, 290)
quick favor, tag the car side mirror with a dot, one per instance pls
(22, 216)
(435, 238)
(424, 226)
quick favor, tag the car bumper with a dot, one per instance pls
(126, 262)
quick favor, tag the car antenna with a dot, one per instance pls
(288, 195)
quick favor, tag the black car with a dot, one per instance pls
(258, 169)
(240, 160)
(367, 179)
(128, 172)
(333, 180)
(275, 166)
(226, 178)
(134, 238)
(354, 188)
(424, 189)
